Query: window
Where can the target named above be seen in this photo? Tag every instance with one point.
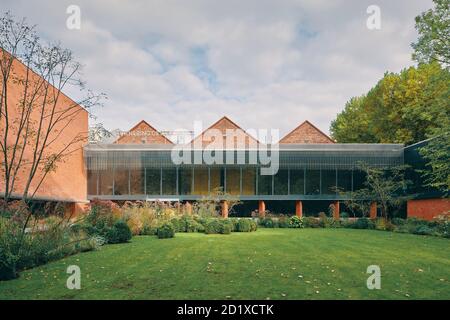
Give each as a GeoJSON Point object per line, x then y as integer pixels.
{"type": "Point", "coordinates": [185, 180]}
{"type": "Point", "coordinates": [264, 184]}
{"type": "Point", "coordinates": [169, 181]}
{"type": "Point", "coordinates": [328, 182]}
{"type": "Point", "coordinates": [297, 178]}
{"type": "Point", "coordinates": [280, 182]}
{"type": "Point", "coordinates": [249, 181]}
{"type": "Point", "coordinates": [312, 182]}
{"type": "Point", "coordinates": [153, 181]}
{"type": "Point", "coordinates": [233, 181]}
{"type": "Point", "coordinates": [121, 182]}
{"type": "Point", "coordinates": [137, 181]}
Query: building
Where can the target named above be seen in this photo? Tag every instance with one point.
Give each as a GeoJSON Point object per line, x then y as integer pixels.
{"type": "Point", "coordinates": [311, 165]}
{"type": "Point", "coordinates": [66, 184]}
{"type": "Point", "coordinates": [140, 166]}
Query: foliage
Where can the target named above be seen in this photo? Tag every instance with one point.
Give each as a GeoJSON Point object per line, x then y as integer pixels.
{"type": "Point", "coordinates": [363, 223]}
{"type": "Point", "coordinates": [401, 108]}
{"type": "Point", "coordinates": [283, 221]}
{"type": "Point", "coordinates": [433, 27]}
{"type": "Point", "coordinates": [384, 186]}
{"type": "Point", "coordinates": [46, 240]}
{"type": "Point", "coordinates": [295, 222]}
{"type": "Point", "coordinates": [245, 225]}
{"type": "Point", "coordinates": [436, 153]}
{"type": "Point", "coordinates": [218, 226]}
{"type": "Point", "coordinates": [166, 230]}
{"type": "Point", "coordinates": [119, 232]}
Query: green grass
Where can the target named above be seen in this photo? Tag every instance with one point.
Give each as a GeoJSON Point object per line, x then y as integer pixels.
{"type": "Point", "coordinates": [267, 264]}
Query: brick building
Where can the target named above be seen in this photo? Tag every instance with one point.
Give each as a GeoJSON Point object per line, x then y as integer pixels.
{"type": "Point", "coordinates": [310, 168]}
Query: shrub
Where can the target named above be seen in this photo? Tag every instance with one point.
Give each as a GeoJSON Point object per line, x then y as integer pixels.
{"type": "Point", "coordinates": [244, 225]}
{"type": "Point", "coordinates": [423, 230]}
{"type": "Point", "coordinates": [324, 221]}
{"type": "Point", "coordinates": [165, 231]}
{"type": "Point", "coordinates": [186, 224]}
{"type": "Point", "coordinates": [44, 241]}
{"type": "Point", "coordinates": [118, 233]}
{"type": "Point", "coordinates": [398, 221]}
{"type": "Point", "coordinates": [295, 222]}
{"type": "Point", "coordinates": [268, 222]}
{"type": "Point", "coordinates": [363, 223]}
{"type": "Point", "coordinates": [253, 225]}
{"type": "Point", "coordinates": [218, 226]}
{"type": "Point", "coordinates": [311, 222]}
{"type": "Point", "coordinates": [283, 222]}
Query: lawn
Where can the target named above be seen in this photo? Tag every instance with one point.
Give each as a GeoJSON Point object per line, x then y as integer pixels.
{"type": "Point", "coordinates": [267, 264]}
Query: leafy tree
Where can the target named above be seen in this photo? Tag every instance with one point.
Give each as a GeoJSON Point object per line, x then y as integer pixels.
{"type": "Point", "coordinates": [402, 108]}
{"type": "Point", "coordinates": [385, 186]}
{"type": "Point", "coordinates": [433, 27]}
{"type": "Point", "coordinates": [437, 153]}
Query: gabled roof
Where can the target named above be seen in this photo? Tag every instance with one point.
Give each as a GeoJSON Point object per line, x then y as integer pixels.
{"type": "Point", "coordinates": [306, 132]}
{"type": "Point", "coordinates": [143, 133]}
{"type": "Point", "coordinates": [222, 125]}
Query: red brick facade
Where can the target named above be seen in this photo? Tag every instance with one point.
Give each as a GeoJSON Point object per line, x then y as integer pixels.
{"type": "Point", "coordinates": [306, 133]}
{"type": "Point", "coordinates": [428, 208]}
{"type": "Point", "coordinates": [240, 138]}
{"type": "Point", "coordinates": [143, 133]}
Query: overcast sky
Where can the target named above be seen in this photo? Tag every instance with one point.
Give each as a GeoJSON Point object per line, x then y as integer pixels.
{"type": "Point", "coordinates": [265, 64]}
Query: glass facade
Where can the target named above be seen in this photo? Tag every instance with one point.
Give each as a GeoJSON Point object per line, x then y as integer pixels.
{"type": "Point", "coordinates": [315, 172]}
{"type": "Point", "coordinates": [244, 181]}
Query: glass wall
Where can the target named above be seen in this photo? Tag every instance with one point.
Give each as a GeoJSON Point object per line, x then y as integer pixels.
{"type": "Point", "coordinates": [297, 180]}
{"type": "Point", "coordinates": [264, 184]}
{"type": "Point", "coordinates": [137, 181]}
{"type": "Point", "coordinates": [249, 181]}
{"type": "Point", "coordinates": [105, 182]}
{"type": "Point", "coordinates": [358, 179]}
{"type": "Point", "coordinates": [201, 186]}
{"type": "Point", "coordinates": [345, 180]}
{"type": "Point", "coordinates": [328, 182]}
{"type": "Point", "coordinates": [233, 181]}
{"type": "Point", "coordinates": [312, 182]}
{"type": "Point", "coordinates": [121, 182]}
{"type": "Point", "coordinates": [153, 181]}
{"type": "Point", "coordinates": [280, 182]}
{"type": "Point", "coordinates": [246, 181]}
{"type": "Point", "coordinates": [217, 179]}
{"type": "Point", "coordinates": [185, 181]}
{"type": "Point", "coordinates": [92, 177]}
{"type": "Point", "coordinates": [169, 181]}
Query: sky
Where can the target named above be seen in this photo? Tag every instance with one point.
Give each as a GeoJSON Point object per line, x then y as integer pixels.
{"type": "Point", "coordinates": [264, 64]}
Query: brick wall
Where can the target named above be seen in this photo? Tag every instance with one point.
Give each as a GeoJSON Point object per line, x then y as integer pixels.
{"type": "Point", "coordinates": [143, 133]}
{"type": "Point", "coordinates": [427, 208]}
{"type": "Point", "coordinates": [306, 133]}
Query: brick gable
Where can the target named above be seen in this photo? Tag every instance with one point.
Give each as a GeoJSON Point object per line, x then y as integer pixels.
{"type": "Point", "coordinates": [143, 133]}
{"type": "Point", "coordinates": [240, 138]}
{"type": "Point", "coordinates": [306, 133]}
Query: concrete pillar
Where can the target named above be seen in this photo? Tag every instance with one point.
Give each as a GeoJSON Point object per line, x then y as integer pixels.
{"type": "Point", "coordinates": [225, 209]}
{"type": "Point", "coordinates": [188, 206]}
{"type": "Point", "coordinates": [298, 208]}
{"type": "Point", "coordinates": [373, 210]}
{"type": "Point", "coordinates": [336, 214]}
{"type": "Point", "coordinates": [262, 208]}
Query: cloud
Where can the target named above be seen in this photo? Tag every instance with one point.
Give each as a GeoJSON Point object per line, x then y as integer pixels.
{"type": "Point", "coordinates": [263, 63]}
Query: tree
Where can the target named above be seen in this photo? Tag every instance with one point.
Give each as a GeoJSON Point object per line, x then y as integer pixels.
{"type": "Point", "coordinates": [385, 186]}
{"type": "Point", "coordinates": [402, 108]}
{"type": "Point", "coordinates": [34, 112]}
{"type": "Point", "coordinates": [433, 27]}
{"type": "Point", "coordinates": [437, 152]}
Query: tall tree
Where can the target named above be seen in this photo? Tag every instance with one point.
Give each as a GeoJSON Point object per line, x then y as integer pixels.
{"type": "Point", "coordinates": [402, 108]}
{"type": "Point", "coordinates": [433, 27]}
{"type": "Point", "coordinates": [34, 112]}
